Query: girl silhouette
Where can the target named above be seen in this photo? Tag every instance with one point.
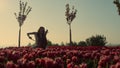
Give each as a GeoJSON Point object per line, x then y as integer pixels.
{"type": "Point", "coordinates": [40, 37]}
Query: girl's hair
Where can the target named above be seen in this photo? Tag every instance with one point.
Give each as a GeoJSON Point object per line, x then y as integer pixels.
{"type": "Point", "coordinates": [41, 30]}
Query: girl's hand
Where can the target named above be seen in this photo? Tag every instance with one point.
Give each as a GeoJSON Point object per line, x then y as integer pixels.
{"type": "Point", "coordinates": [31, 38]}
{"type": "Point", "coordinates": [32, 33]}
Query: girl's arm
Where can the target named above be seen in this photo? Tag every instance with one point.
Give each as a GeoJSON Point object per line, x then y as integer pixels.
{"type": "Point", "coordinates": [46, 32]}
{"type": "Point", "coordinates": [32, 33]}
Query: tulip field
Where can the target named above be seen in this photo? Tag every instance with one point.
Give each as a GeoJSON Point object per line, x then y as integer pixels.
{"type": "Point", "coordinates": [60, 57]}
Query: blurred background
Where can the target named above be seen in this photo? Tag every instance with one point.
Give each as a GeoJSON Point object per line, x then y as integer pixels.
{"type": "Point", "coordinates": [93, 17]}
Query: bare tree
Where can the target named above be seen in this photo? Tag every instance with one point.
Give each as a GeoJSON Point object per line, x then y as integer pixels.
{"type": "Point", "coordinates": [21, 17]}
{"type": "Point", "coordinates": [116, 2]}
{"type": "Point", "coordinates": [69, 17]}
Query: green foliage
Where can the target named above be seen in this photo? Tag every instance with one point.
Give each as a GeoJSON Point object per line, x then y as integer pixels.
{"type": "Point", "coordinates": [55, 44]}
{"type": "Point", "coordinates": [31, 45]}
{"type": "Point", "coordinates": [62, 44]}
{"type": "Point", "coordinates": [49, 43]}
{"type": "Point", "coordinates": [71, 44]}
{"type": "Point", "coordinates": [98, 40]}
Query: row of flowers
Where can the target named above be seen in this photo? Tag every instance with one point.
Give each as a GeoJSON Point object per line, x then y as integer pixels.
{"type": "Point", "coordinates": [60, 57]}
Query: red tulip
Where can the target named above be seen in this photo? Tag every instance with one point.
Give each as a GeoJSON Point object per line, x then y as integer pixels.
{"type": "Point", "coordinates": [68, 61]}
{"type": "Point", "coordinates": [74, 59]}
{"type": "Point", "coordinates": [22, 62]}
{"type": "Point", "coordinates": [103, 60]}
{"type": "Point", "coordinates": [70, 65]}
{"type": "Point", "coordinates": [99, 66]}
{"type": "Point", "coordinates": [10, 64]}
{"type": "Point", "coordinates": [31, 64]}
{"type": "Point", "coordinates": [116, 59]}
{"type": "Point", "coordinates": [2, 59]}
{"type": "Point", "coordinates": [49, 63]}
{"type": "Point", "coordinates": [105, 52]}
{"type": "Point", "coordinates": [59, 57]}
{"type": "Point", "coordinates": [112, 66]}
{"type": "Point", "coordinates": [2, 65]}
{"type": "Point", "coordinates": [76, 66]}
{"type": "Point", "coordinates": [117, 65]}
{"type": "Point", "coordinates": [59, 62]}
{"type": "Point", "coordinates": [50, 54]}
{"type": "Point", "coordinates": [87, 55]}
{"type": "Point", "coordinates": [15, 55]}
{"type": "Point", "coordinates": [64, 57]}
{"type": "Point", "coordinates": [38, 61]}
{"type": "Point", "coordinates": [43, 62]}
{"type": "Point", "coordinates": [2, 54]}
{"type": "Point", "coordinates": [83, 65]}
{"type": "Point", "coordinates": [55, 64]}
{"type": "Point", "coordinates": [26, 56]}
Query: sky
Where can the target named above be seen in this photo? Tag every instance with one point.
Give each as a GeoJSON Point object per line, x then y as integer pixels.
{"type": "Point", "coordinates": [93, 17]}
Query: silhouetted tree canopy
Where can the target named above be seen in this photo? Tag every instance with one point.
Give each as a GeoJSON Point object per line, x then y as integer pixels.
{"type": "Point", "coordinates": [116, 2]}
{"type": "Point", "coordinates": [74, 43]}
{"type": "Point", "coordinates": [98, 40]}
{"type": "Point", "coordinates": [82, 43]}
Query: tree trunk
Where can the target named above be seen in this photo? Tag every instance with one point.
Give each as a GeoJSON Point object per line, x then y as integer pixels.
{"type": "Point", "coordinates": [70, 34]}
{"type": "Point", "coordinates": [19, 39]}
